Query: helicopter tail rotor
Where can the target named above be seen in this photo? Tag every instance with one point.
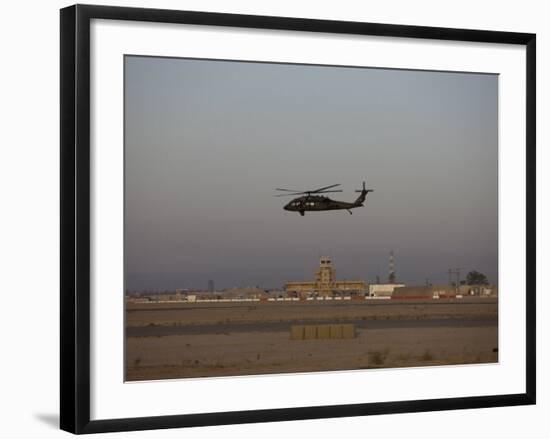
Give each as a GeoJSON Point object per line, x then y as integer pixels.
{"type": "Point", "coordinates": [364, 191]}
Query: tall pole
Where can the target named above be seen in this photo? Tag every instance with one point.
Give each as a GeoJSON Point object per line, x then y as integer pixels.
{"type": "Point", "coordinates": [391, 270]}
{"type": "Point", "coordinates": [456, 271]}
{"type": "Point", "coordinates": [458, 279]}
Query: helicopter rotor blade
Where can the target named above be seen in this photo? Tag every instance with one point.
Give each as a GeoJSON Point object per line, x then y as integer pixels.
{"type": "Point", "coordinates": [326, 187]}
{"type": "Point", "coordinates": [289, 190]}
{"type": "Point", "coordinates": [307, 193]}
{"type": "Point", "coordinates": [322, 190]}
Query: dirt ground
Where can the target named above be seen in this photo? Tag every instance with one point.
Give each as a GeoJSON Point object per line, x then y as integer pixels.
{"type": "Point", "coordinates": [184, 356]}
{"type": "Point", "coordinates": [260, 352]}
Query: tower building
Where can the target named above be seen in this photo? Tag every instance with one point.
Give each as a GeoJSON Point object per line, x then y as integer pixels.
{"type": "Point", "coordinates": [325, 277]}
{"type": "Point", "coordinates": [325, 283]}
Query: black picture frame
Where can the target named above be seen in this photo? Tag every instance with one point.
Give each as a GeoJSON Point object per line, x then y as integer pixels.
{"type": "Point", "coordinates": [75, 217]}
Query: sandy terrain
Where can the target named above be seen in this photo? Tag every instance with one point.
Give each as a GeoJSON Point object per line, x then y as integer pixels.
{"type": "Point", "coordinates": [247, 353]}
{"type": "Point", "coordinates": [194, 340]}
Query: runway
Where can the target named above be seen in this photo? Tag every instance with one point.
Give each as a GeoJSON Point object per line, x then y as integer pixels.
{"type": "Point", "coordinates": [361, 324]}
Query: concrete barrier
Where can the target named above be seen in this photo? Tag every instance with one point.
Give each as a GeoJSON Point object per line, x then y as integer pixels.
{"type": "Point", "coordinates": [348, 331]}
{"type": "Point", "coordinates": [336, 331]}
{"type": "Point", "coordinates": [297, 332]}
{"type": "Point", "coordinates": [322, 332]}
{"type": "Point", "coordinates": [310, 332]}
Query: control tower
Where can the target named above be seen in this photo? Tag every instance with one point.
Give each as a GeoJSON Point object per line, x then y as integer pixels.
{"type": "Point", "coordinates": [325, 283]}
{"type": "Point", "coordinates": [325, 277]}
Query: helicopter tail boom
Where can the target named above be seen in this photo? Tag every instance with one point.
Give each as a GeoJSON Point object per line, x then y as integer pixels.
{"type": "Point", "coordinates": [361, 198]}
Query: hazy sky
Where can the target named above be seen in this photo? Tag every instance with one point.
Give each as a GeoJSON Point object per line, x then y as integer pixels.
{"type": "Point", "coordinates": [206, 143]}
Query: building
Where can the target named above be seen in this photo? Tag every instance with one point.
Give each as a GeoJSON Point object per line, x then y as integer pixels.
{"type": "Point", "coordinates": [444, 291]}
{"type": "Point", "coordinates": [383, 290]}
{"type": "Point", "coordinates": [325, 284]}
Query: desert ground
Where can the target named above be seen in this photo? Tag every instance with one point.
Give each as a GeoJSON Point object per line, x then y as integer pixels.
{"type": "Point", "coordinates": [184, 340]}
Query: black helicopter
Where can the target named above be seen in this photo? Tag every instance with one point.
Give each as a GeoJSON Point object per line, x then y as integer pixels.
{"type": "Point", "coordinates": [313, 201]}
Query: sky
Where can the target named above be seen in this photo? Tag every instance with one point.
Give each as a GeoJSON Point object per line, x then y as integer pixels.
{"type": "Point", "coordinates": [208, 141]}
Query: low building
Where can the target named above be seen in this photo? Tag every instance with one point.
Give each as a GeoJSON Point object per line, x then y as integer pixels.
{"type": "Point", "coordinates": [325, 284]}
{"type": "Point", "coordinates": [478, 290]}
{"type": "Point", "coordinates": [443, 291]}
{"type": "Point", "coordinates": [245, 293]}
{"type": "Point", "coordinates": [383, 290]}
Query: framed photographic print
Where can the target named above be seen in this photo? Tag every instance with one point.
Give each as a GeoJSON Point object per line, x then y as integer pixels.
{"type": "Point", "coordinates": [274, 218]}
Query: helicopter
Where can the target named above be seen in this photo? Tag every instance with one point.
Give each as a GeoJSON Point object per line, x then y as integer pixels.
{"type": "Point", "coordinates": [315, 201]}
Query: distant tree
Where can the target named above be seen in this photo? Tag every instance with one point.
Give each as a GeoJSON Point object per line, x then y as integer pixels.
{"type": "Point", "coordinates": [476, 278]}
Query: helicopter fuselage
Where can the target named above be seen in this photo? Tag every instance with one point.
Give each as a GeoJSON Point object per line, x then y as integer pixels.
{"type": "Point", "coordinates": [315, 203]}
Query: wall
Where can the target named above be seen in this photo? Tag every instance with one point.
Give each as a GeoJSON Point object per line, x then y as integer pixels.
{"type": "Point", "coordinates": [410, 292]}
{"type": "Point", "coordinates": [29, 184]}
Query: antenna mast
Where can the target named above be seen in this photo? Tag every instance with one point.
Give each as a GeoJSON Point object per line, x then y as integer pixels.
{"type": "Point", "coordinates": [391, 270]}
